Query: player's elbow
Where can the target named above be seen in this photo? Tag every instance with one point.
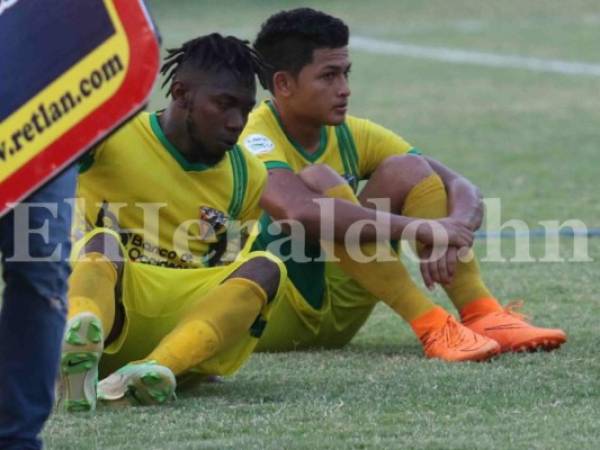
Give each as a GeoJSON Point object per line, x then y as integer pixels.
{"type": "Point", "coordinates": [475, 191]}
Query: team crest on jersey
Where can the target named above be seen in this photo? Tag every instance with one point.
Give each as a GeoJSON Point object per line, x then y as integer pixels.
{"type": "Point", "coordinates": [259, 144]}
{"type": "Point", "coordinates": [212, 223]}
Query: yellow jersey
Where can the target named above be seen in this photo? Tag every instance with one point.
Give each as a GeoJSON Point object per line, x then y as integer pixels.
{"type": "Point", "coordinates": [170, 212]}
{"type": "Point", "coordinates": [354, 149]}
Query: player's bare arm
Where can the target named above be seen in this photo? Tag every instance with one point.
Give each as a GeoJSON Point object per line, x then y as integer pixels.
{"type": "Point", "coordinates": [465, 205]}
{"type": "Point", "coordinates": [464, 198]}
{"type": "Point", "coordinates": [287, 197]}
{"type": "Point", "coordinates": [305, 129]}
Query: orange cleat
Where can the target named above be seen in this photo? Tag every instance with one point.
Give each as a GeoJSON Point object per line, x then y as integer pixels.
{"type": "Point", "coordinates": [512, 331]}
{"type": "Point", "coordinates": [455, 342]}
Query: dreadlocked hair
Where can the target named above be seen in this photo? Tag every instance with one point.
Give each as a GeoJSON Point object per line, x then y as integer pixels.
{"type": "Point", "coordinates": [215, 52]}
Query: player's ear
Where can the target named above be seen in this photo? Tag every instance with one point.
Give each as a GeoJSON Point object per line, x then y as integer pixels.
{"type": "Point", "coordinates": [180, 94]}
{"type": "Point", "coordinates": [283, 83]}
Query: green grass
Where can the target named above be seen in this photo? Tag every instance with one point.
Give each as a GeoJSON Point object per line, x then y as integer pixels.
{"type": "Point", "coordinates": [379, 392]}
{"type": "Point", "coordinates": [523, 136]}
{"type": "Point", "coordinates": [528, 138]}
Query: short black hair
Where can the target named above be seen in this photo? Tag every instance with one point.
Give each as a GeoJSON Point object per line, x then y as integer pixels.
{"type": "Point", "coordinates": [214, 52]}
{"type": "Point", "coordinates": [287, 39]}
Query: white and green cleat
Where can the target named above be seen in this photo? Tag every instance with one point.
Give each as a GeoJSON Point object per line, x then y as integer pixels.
{"type": "Point", "coordinates": [81, 352]}
{"type": "Point", "coordinates": [140, 383]}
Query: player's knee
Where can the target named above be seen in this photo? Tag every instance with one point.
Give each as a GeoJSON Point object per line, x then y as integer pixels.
{"type": "Point", "coordinates": [270, 275]}
{"type": "Point", "coordinates": [108, 245]}
{"type": "Point", "coordinates": [408, 169]}
{"type": "Point", "coordinates": [320, 178]}
{"type": "Point", "coordinates": [264, 271]}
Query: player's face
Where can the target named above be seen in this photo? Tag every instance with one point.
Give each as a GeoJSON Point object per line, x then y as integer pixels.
{"type": "Point", "coordinates": [218, 113]}
{"type": "Point", "coordinates": [321, 90]}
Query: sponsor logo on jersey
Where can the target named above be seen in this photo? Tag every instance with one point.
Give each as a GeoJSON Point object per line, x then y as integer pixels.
{"type": "Point", "coordinates": [258, 144]}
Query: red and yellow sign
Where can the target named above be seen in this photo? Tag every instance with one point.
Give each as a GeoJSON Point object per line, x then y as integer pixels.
{"type": "Point", "coordinates": [70, 73]}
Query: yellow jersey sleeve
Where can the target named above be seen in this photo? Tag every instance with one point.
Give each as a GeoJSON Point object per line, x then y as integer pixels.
{"type": "Point", "coordinates": [266, 149]}
{"type": "Point", "coordinates": [95, 155]}
{"type": "Point", "coordinates": [264, 138]}
{"type": "Point", "coordinates": [375, 143]}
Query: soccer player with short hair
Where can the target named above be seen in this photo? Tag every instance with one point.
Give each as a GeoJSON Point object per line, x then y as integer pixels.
{"type": "Point", "coordinates": [148, 299]}
{"type": "Point", "coordinates": [313, 150]}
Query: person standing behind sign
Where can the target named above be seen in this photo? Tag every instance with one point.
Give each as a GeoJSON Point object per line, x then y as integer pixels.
{"type": "Point", "coordinates": [35, 245]}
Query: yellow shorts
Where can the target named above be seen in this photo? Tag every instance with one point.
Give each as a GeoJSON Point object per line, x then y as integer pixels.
{"type": "Point", "coordinates": [156, 298]}
{"type": "Point", "coordinates": [296, 325]}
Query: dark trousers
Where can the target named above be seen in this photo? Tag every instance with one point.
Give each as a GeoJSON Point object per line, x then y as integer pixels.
{"type": "Point", "coordinates": [33, 313]}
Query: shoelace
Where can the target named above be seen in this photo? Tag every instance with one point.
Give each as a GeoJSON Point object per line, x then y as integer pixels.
{"type": "Point", "coordinates": [452, 333]}
{"type": "Point", "coordinates": [512, 309]}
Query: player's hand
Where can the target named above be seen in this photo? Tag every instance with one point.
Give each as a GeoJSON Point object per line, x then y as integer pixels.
{"type": "Point", "coordinates": [440, 270]}
{"type": "Point", "coordinates": [448, 232]}
{"type": "Point", "coordinates": [473, 218]}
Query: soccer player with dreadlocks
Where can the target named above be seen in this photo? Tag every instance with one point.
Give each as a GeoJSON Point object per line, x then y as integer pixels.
{"type": "Point", "coordinates": [157, 199]}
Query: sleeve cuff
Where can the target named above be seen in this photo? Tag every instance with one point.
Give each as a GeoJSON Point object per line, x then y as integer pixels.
{"type": "Point", "coordinates": [277, 165]}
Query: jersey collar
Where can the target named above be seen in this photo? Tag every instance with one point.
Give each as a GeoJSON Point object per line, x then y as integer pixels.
{"type": "Point", "coordinates": [175, 153]}
{"type": "Point", "coordinates": [311, 157]}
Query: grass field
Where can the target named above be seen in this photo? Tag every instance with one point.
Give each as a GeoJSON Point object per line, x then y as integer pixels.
{"type": "Point", "coordinates": [529, 138]}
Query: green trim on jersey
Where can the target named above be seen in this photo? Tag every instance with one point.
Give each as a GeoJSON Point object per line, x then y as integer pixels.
{"type": "Point", "coordinates": [310, 157]}
{"type": "Point", "coordinates": [175, 153]}
{"type": "Point", "coordinates": [348, 154]}
{"type": "Point", "coordinates": [277, 165]}
{"type": "Point", "coordinates": [240, 181]}
{"type": "Point", "coordinates": [353, 154]}
{"type": "Point", "coordinates": [308, 277]}
{"type": "Point", "coordinates": [414, 151]}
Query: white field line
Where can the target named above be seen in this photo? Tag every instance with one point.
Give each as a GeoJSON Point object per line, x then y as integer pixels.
{"type": "Point", "coordinates": [457, 56]}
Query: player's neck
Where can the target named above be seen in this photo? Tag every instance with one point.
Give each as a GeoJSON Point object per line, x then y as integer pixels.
{"type": "Point", "coordinates": [177, 135]}
{"type": "Point", "coordinates": [302, 131]}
